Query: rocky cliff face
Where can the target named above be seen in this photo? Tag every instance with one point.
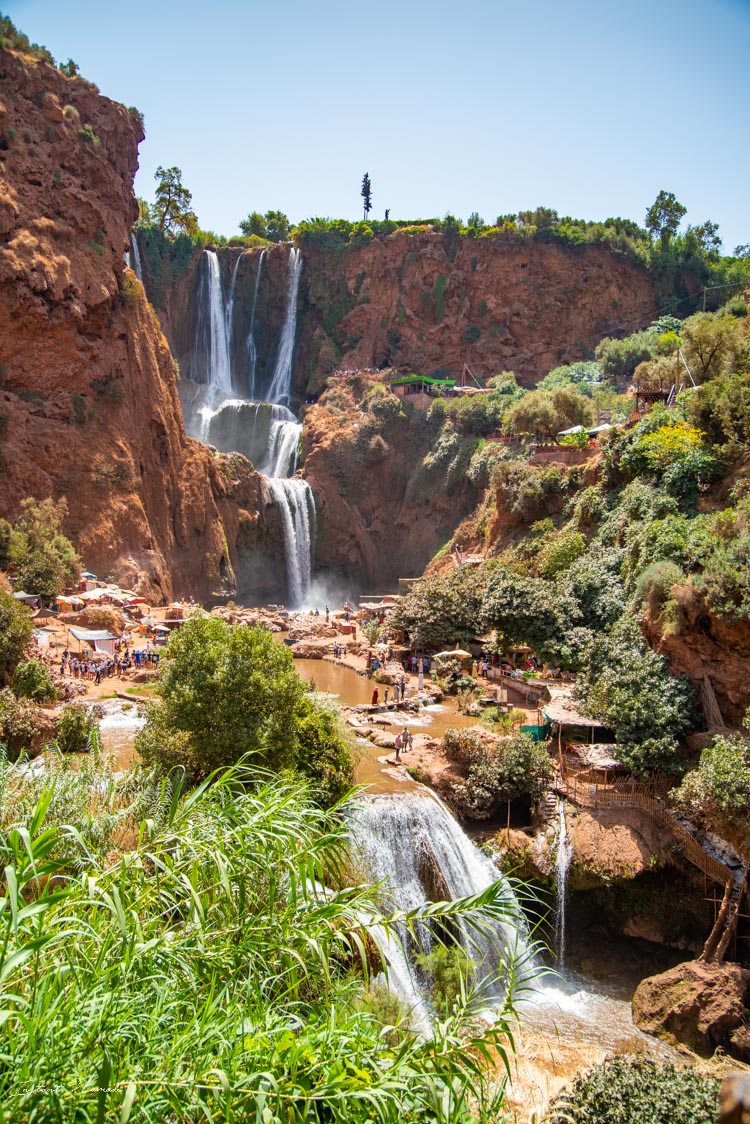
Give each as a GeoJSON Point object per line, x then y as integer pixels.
{"type": "Point", "coordinates": [414, 301]}
{"type": "Point", "coordinates": [386, 500]}
{"type": "Point", "coordinates": [87, 383]}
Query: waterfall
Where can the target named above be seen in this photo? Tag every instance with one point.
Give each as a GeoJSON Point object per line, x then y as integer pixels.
{"type": "Point", "coordinates": [283, 443]}
{"type": "Point", "coordinates": [251, 349]}
{"type": "Point", "coordinates": [297, 507]}
{"type": "Point", "coordinates": [412, 845]}
{"type": "Point", "coordinates": [281, 384]}
{"type": "Point", "coordinates": [135, 257]}
{"type": "Point", "coordinates": [219, 364]}
{"type": "Point", "coordinates": [229, 316]}
{"type": "Point", "coordinates": [564, 855]}
{"type": "Point", "coordinates": [215, 415]}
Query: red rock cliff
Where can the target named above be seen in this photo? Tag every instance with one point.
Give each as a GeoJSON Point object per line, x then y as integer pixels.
{"type": "Point", "coordinates": [87, 383]}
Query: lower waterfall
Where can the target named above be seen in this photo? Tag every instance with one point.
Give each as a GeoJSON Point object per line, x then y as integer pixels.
{"type": "Point", "coordinates": [297, 508]}
{"type": "Point", "coordinates": [562, 865]}
{"type": "Point", "coordinates": [411, 844]}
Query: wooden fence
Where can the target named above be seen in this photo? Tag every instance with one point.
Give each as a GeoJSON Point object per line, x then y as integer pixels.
{"type": "Point", "coordinates": [625, 795]}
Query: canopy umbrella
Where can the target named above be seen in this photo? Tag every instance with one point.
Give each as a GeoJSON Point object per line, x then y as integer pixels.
{"type": "Point", "coordinates": [91, 577]}
{"type": "Point", "coordinates": [459, 653]}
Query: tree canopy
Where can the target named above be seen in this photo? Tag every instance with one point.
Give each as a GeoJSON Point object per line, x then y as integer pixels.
{"type": "Point", "coordinates": [226, 692]}
{"type": "Point", "coordinates": [172, 212]}
{"type": "Point", "coordinates": [43, 561]}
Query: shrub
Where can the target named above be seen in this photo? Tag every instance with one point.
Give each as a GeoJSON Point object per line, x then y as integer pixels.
{"type": "Point", "coordinates": [20, 724]}
{"type": "Point", "coordinates": [15, 634]}
{"type": "Point", "coordinates": [87, 134]}
{"type": "Point", "coordinates": [42, 559]}
{"type": "Point", "coordinates": [75, 728]}
{"type": "Point", "coordinates": [618, 359]}
{"type": "Point", "coordinates": [517, 766]}
{"type": "Point", "coordinates": [323, 755]}
{"type": "Point", "coordinates": [630, 1090]}
{"type": "Point", "coordinates": [32, 680]}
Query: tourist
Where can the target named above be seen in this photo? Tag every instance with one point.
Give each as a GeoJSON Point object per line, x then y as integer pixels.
{"type": "Point", "coordinates": [375, 697]}
{"type": "Point", "coordinates": [399, 743]}
{"type": "Point", "coordinates": [395, 693]}
{"type": "Point", "coordinates": [385, 696]}
{"type": "Point", "coordinates": [405, 739]}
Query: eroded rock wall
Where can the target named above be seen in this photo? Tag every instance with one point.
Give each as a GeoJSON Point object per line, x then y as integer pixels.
{"type": "Point", "coordinates": [87, 383]}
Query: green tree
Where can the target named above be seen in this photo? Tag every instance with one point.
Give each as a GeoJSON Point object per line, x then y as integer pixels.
{"type": "Point", "coordinates": [223, 692]}
{"type": "Point", "coordinates": [664, 217]}
{"type": "Point", "coordinates": [366, 194]}
{"type": "Point", "coordinates": [254, 224]}
{"type": "Point", "coordinates": [172, 211]}
{"type": "Point", "coordinates": [32, 680]}
{"type": "Point", "coordinates": [277, 226]}
{"type": "Point", "coordinates": [618, 359]}
{"type": "Point", "coordinates": [439, 612]}
{"type": "Point", "coordinates": [70, 69]}
{"type": "Point", "coordinates": [627, 687]}
{"type": "Point", "coordinates": [6, 532]}
{"type": "Point", "coordinates": [516, 766]}
{"type": "Point", "coordinates": [712, 344]}
{"type": "Point", "coordinates": [704, 239]}
{"type": "Point", "coordinates": [638, 1089]}
{"type": "Point", "coordinates": [15, 634]}
{"type": "Point", "coordinates": [719, 789]}
{"type": "Point", "coordinates": [539, 613]}
{"type": "Point", "coordinates": [42, 559]}
{"type": "Point", "coordinates": [475, 221]}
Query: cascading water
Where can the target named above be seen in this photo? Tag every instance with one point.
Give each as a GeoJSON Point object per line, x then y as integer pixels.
{"type": "Point", "coordinates": [252, 353]}
{"type": "Point", "coordinates": [281, 383]}
{"type": "Point", "coordinates": [563, 857]}
{"type": "Point", "coordinates": [297, 507]}
{"type": "Point", "coordinates": [283, 443]}
{"type": "Point", "coordinates": [229, 316]}
{"type": "Point", "coordinates": [220, 367]}
{"type": "Point", "coordinates": [410, 843]}
{"type": "Point", "coordinates": [219, 417]}
{"type": "Point", "coordinates": [135, 257]}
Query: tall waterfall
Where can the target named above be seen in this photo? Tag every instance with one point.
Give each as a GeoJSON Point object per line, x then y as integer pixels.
{"type": "Point", "coordinates": [266, 431]}
{"type": "Point", "coordinates": [220, 365]}
{"type": "Point", "coordinates": [229, 316]}
{"type": "Point", "coordinates": [135, 257]}
{"type": "Point", "coordinates": [281, 383]}
{"type": "Point", "coordinates": [297, 508]}
{"type": "Point", "coordinates": [252, 353]}
{"type": "Point", "coordinates": [564, 855]}
{"type": "Point", "coordinates": [411, 844]}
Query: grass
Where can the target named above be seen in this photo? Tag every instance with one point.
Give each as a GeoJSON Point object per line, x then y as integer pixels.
{"type": "Point", "coordinates": [216, 970]}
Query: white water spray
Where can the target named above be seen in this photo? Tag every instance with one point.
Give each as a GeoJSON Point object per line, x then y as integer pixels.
{"type": "Point", "coordinates": [219, 369]}
{"type": "Point", "coordinates": [281, 385]}
{"type": "Point", "coordinates": [296, 505]}
{"type": "Point", "coordinates": [135, 257]}
{"type": "Point", "coordinates": [252, 353]}
{"type": "Point", "coordinates": [563, 858]}
{"type": "Point", "coordinates": [403, 840]}
{"type": "Point", "coordinates": [283, 444]}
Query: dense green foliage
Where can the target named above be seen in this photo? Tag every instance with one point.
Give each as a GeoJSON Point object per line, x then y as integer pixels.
{"type": "Point", "coordinates": [76, 728]}
{"type": "Point", "coordinates": [228, 692]}
{"type": "Point", "coordinates": [218, 971]}
{"type": "Point", "coordinates": [32, 680]}
{"type": "Point", "coordinates": [719, 789]}
{"type": "Point", "coordinates": [438, 612]}
{"type": "Point", "coordinates": [638, 1091]}
{"type": "Point", "coordinates": [15, 634]}
{"type": "Point", "coordinates": [516, 766]}
{"type": "Point", "coordinates": [41, 559]}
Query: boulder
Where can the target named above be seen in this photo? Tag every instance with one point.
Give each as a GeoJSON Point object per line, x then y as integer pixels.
{"type": "Point", "coordinates": [701, 1005]}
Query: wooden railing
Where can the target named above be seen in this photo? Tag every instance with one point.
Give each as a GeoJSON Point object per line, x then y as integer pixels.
{"type": "Point", "coordinates": [622, 796]}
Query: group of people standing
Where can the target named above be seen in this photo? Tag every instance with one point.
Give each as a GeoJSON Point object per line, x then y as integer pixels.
{"type": "Point", "coordinates": [404, 742]}
{"type": "Point", "coordinates": [118, 664]}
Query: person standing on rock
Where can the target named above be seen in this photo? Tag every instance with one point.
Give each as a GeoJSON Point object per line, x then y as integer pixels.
{"type": "Point", "coordinates": [398, 744]}
{"type": "Point", "coordinates": [385, 696]}
{"type": "Point", "coordinates": [375, 697]}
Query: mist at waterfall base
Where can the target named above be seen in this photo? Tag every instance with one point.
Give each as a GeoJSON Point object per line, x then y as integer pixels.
{"type": "Point", "coordinates": [227, 407]}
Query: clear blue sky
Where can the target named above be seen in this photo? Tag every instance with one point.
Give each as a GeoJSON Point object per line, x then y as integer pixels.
{"type": "Point", "coordinates": [588, 107]}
